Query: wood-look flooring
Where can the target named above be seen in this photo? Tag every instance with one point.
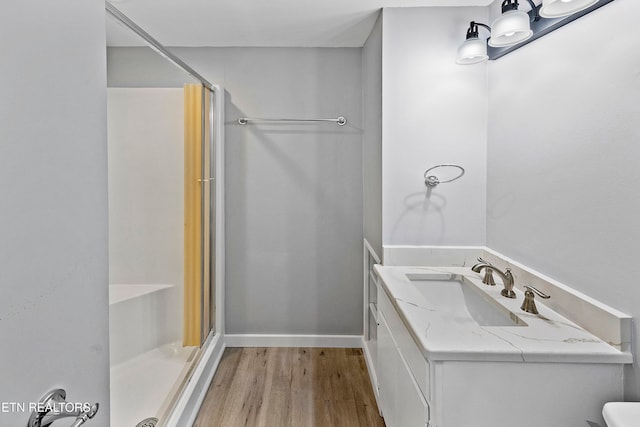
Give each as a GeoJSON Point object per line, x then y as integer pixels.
{"type": "Point", "coordinates": [290, 387]}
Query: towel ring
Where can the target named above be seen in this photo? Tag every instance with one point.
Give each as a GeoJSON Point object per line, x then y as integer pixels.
{"type": "Point", "coordinates": [432, 180]}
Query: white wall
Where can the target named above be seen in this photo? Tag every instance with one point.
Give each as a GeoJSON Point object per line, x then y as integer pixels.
{"type": "Point", "coordinates": [564, 144]}
{"type": "Point", "coordinates": [434, 112]}
{"type": "Point", "coordinates": [146, 193]}
{"type": "Point", "coordinates": [293, 192]}
{"type": "Point", "coordinates": [372, 138]}
{"type": "Point", "coordinates": [53, 215]}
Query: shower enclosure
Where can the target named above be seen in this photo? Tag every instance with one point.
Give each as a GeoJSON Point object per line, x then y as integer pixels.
{"type": "Point", "coordinates": [164, 145]}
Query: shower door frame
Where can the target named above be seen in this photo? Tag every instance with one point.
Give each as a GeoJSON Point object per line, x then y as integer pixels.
{"type": "Point", "coordinates": [184, 409]}
{"type": "Point", "coordinates": [214, 121]}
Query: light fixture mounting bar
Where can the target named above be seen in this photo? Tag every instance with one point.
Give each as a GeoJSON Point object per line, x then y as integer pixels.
{"type": "Point", "coordinates": [542, 27]}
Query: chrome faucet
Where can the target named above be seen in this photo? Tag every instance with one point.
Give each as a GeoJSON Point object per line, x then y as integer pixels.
{"type": "Point", "coordinates": [507, 277]}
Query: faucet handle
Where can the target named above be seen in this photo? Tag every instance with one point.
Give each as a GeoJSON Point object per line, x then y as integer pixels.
{"type": "Point", "coordinates": [538, 292]}
{"type": "Point", "coordinates": [529, 305]}
{"type": "Point", "coordinates": [488, 277]}
{"type": "Point", "coordinates": [477, 268]}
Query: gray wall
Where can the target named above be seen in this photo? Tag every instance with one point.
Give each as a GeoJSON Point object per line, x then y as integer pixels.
{"type": "Point", "coordinates": [564, 144]}
{"type": "Point", "coordinates": [138, 67]}
{"type": "Point", "coordinates": [53, 214]}
{"type": "Point", "coordinates": [372, 139]}
{"type": "Point", "coordinates": [293, 192]}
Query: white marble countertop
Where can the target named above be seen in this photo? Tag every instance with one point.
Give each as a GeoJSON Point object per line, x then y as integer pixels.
{"type": "Point", "coordinates": [443, 335]}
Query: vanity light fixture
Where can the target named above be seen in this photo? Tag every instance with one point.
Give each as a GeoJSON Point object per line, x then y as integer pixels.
{"type": "Point", "coordinates": [513, 26]}
{"type": "Point", "coordinates": [559, 8]}
{"type": "Point", "coordinates": [473, 50]}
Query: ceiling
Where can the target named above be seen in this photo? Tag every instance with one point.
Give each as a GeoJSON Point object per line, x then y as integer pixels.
{"type": "Point", "coordinates": [261, 23]}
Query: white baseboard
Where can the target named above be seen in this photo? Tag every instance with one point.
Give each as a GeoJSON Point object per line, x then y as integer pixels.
{"type": "Point", "coordinates": [326, 341]}
{"type": "Point", "coordinates": [188, 405]}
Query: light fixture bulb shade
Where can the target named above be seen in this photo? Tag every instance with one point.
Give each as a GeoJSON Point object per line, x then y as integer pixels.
{"type": "Point", "coordinates": [472, 51]}
{"type": "Point", "coordinates": [560, 8]}
{"type": "Point", "coordinates": [510, 28]}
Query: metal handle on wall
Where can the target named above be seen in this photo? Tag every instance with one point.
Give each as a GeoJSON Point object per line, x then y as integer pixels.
{"type": "Point", "coordinates": [53, 406]}
{"type": "Point", "coordinates": [432, 180]}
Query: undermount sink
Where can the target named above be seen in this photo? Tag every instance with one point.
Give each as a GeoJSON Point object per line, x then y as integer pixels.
{"type": "Point", "coordinates": [461, 301]}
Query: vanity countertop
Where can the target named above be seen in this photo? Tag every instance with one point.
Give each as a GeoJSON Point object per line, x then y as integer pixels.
{"type": "Point", "coordinates": [547, 336]}
{"type": "Point", "coordinates": [621, 414]}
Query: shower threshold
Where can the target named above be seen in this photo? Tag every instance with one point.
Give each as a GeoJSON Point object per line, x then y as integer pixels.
{"type": "Point", "coordinates": [145, 387]}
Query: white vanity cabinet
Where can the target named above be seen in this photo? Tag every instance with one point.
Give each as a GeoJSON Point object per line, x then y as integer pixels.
{"type": "Point", "coordinates": [563, 383]}
{"type": "Point", "coordinates": [401, 400]}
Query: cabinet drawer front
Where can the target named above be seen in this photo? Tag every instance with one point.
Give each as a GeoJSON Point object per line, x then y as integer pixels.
{"type": "Point", "coordinates": [417, 363]}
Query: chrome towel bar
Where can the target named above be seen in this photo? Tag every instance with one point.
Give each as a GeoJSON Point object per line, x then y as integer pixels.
{"type": "Point", "coordinates": [341, 121]}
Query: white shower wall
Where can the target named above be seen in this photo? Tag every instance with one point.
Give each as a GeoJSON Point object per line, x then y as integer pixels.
{"type": "Point", "coordinates": [146, 196]}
